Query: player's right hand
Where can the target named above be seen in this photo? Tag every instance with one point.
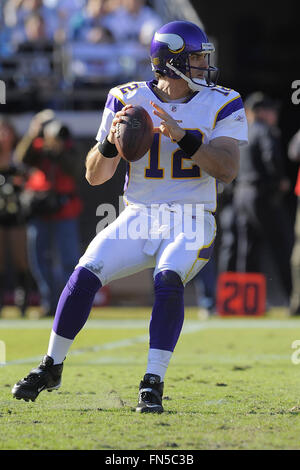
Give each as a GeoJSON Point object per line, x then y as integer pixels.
{"type": "Point", "coordinates": [117, 118]}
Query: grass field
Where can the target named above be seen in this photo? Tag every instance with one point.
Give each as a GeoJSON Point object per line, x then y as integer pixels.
{"type": "Point", "coordinates": [231, 384]}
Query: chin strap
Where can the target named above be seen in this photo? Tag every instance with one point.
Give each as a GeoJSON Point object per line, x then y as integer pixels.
{"type": "Point", "coordinates": [192, 85]}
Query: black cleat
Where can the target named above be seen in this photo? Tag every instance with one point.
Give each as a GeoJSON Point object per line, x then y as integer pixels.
{"type": "Point", "coordinates": [45, 377]}
{"type": "Point", "coordinates": [150, 395]}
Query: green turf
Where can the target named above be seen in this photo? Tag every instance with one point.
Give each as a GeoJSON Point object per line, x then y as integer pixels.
{"type": "Point", "coordinates": [230, 385]}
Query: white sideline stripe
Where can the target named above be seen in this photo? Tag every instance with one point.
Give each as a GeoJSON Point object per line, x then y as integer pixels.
{"type": "Point", "coordinates": [189, 327]}
{"type": "Point", "coordinates": [101, 347]}
{"type": "Point", "coordinates": [123, 343]}
{"type": "Point", "coordinates": [91, 324]}
{"type": "Point", "coordinates": [220, 359]}
{"type": "Point", "coordinates": [94, 323]}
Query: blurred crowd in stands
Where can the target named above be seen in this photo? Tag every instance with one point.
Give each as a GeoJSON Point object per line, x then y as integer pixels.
{"type": "Point", "coordinates": [49, 46]}
{"type": "Point", "coordinates": [48, 50]}
{"type": "Point", "coordinates": [39, 211]}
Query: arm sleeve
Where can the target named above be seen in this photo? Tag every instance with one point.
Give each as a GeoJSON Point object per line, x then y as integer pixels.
{"type": "Point", "coordinates": [231, 121]}
{"type": "Point", "coordinates": [112, 106]}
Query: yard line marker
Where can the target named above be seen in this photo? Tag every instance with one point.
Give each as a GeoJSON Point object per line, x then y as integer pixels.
{"type": "Point", "coordinates": [219, 359]}
{"type": "Point", "coordinates": [99, 347]}
{"type": "Point", "coordinates": [123, 343]}
{"type": "Point", "coordinates": [189, 326]}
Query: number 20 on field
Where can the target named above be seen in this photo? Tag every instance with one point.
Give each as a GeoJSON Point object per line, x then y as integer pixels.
{"type": "Point", "coordinates": [241, 294]}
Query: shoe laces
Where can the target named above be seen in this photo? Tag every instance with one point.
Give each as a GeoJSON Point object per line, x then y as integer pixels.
{"type": "Point", "coordinates": [31, 378]}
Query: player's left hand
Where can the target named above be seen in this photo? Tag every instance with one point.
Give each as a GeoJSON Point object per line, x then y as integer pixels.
{"type": "Point", "coordinates": [168, 126]}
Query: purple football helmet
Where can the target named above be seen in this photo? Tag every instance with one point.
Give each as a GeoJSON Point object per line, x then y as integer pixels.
{"type": "Point", "coordinates": [170, 49]}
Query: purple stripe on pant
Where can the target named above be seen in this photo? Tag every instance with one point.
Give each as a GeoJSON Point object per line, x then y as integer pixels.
{"type": "Point", "coordinates": [205, 253]}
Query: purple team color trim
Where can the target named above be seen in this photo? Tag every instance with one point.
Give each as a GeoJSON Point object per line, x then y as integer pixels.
{"type": "Point", "coordinates": [113, 103]}
{"type": "Point", "coordinates": [230, 108]}
{"type": "Point", "coordinates": [191, 97]}
{"type": "Point", "coordinates": [75, 303]}
{"type": "Point", "coordinates": [168, 311]}
{"type": "Point", "coordinates": [205, 253]}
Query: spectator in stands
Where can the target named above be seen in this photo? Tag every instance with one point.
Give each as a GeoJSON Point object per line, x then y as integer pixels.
{"type": "Point", "coordinates": [53, 237]}
{"type": "Point", "coordinates": [12, 221]}
{"type": "Point", "coordinates": [64, 10]}
{"type": "Point", "coordinates": [5, 37]}
{"type": "Point", "coordinates": [90, 65]}
{"type": "Point", "coordinates": [112, 5]}
{"type": "Point", "coordinates": [133, 21]}
{"type": "Point", "coordinates": [34, 35]}
{"type": "Point", "coordinates": [35, 29]}
{"type": "Point", "coordinates": [35, 61]}
{"type": "Point", "coordinates": [294, 155]}
{"type": "Point", "coordinates": [17, 12]}
{"type": "Point", "coordinates": [89, 25]}
{"type": "Point", "coordinates": [258, 193]}
{"type": "Point", "coordinates": [11, 10]}
{"type": "Point", "coordinates": [132, 25]}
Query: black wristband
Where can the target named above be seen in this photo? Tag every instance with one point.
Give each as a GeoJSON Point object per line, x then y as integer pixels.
{"type": "Point", "coordinates": [189, 143]}
{"type": "Point", "coordinates": [107, 149]}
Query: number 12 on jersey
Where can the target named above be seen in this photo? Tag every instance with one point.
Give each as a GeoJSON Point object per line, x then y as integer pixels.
{"type": "Point", "coordinates": [154, 169]}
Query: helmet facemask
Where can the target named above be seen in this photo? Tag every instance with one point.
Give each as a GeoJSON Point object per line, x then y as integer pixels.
{"type": "Point", "coordinates": [181, 67]}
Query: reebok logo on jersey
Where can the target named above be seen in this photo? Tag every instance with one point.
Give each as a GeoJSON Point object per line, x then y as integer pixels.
{"type": "Point", "coordinates": [240, 118]}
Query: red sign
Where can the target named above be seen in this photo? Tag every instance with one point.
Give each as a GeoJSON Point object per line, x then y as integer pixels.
{"type": "Point", "coordinates": [102, 298]}
{"type": "Point", "coordinates": [241, 294]}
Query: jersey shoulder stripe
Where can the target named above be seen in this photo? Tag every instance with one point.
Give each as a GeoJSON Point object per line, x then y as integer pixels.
{"type": "Point", "coordinates": [114, 103]}
{"type": "Point", "coordinates": [229, 107]}
{"type": "Point", "coordinates": [118, 96]}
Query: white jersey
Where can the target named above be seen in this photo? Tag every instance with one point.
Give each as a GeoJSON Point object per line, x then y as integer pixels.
{"type": "Point", "coordinates": [165, 174]}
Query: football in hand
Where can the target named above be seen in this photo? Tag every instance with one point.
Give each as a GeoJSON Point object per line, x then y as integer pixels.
{"type": "Point", "coordinates": [134, 135]}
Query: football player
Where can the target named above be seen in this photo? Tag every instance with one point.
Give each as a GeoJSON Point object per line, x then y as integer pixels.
{"type": "Point", "coordinates": [198, 128]}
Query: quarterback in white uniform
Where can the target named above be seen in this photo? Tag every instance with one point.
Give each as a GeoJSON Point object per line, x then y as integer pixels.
{"type": "Point", "coordinates": [198, 129]}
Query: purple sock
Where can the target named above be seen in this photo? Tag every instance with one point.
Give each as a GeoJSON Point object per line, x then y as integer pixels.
{"type": "Point", "coordinates": [75, 303]}
{"type": "Point", "coordinates": [168, 311]}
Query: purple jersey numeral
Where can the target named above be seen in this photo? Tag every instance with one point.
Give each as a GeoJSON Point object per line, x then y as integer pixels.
{"type": "Point", "coordinates": [154, 171]}
{"type": "Point", "coordinates": [126, 89]}
{"type": "Point", "coordinates": [178, 156]}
